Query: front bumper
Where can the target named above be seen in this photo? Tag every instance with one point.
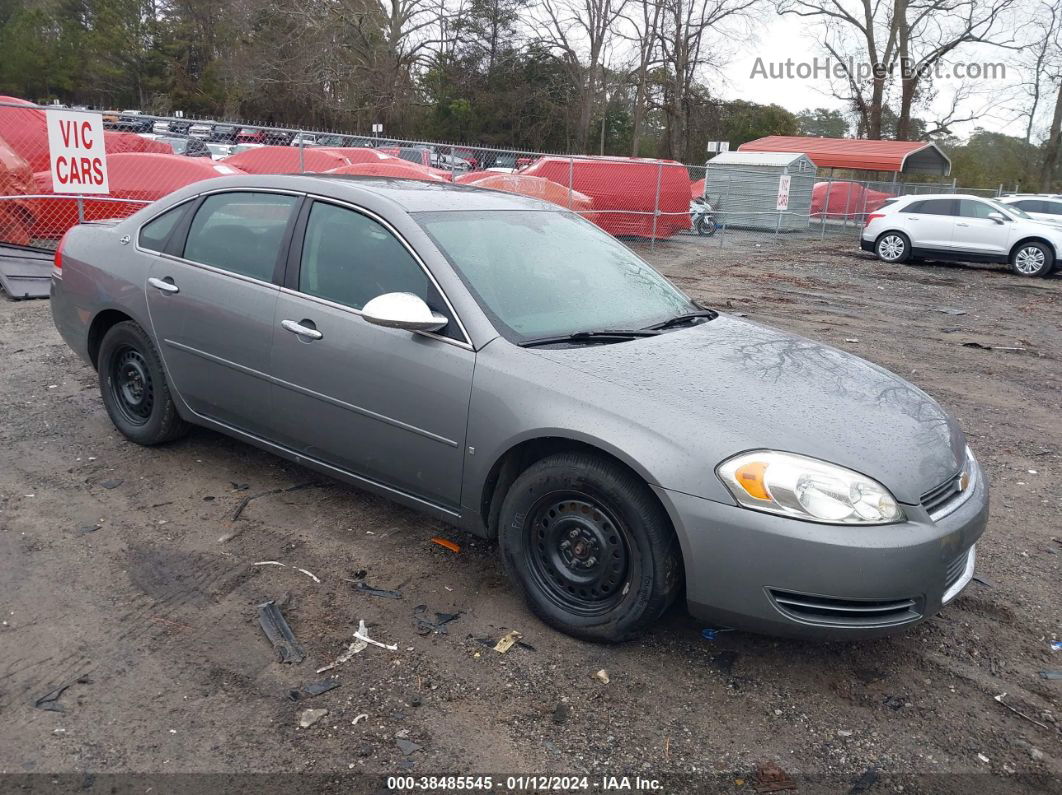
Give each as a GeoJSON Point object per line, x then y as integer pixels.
{"type": "Point", "coordinates": [782, 576]}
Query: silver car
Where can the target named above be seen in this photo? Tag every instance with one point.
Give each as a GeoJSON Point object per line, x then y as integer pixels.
{"type": "Point", "coordinates": [509, 368]}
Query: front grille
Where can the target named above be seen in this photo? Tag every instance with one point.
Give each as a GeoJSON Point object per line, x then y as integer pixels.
{"type": "Point", "coordinates": [936, 498]}
{"type": "Point", "coordinates": [855, 613]}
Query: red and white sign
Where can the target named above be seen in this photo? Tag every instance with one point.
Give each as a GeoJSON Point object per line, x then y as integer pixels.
{"type": "Point", "coordinates": [783, 192]}
{"type": "Point", "coordinates": [76, 151]}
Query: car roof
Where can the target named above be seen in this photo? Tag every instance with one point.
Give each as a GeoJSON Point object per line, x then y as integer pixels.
{"type": "Point", "coordinates": [410, 195]}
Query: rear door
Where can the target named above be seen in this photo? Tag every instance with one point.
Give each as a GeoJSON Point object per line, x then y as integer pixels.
{"type": "Point", "coordinates": [387, 404]}
{"type": "Point", "coordinates": [930, 223]}
{"type": "Point", "coordinates": [976, 233]}
{"type": "Point", "coordinates": [211, 297]}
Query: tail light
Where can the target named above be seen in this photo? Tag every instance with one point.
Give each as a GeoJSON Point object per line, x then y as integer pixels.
{"type": "Point", "coordinates": [871, 217]}
{"type": "Point", "coordinates": [57, 268]}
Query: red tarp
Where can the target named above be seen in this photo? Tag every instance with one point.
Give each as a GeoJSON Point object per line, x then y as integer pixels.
{"type": "Point", "coordinates": [536, 187]}
{"type": "Point", "coordinates": [363, 154]}
{"type": "Point", "coordinates": [16, 179]}
{"type": "Point", "coordinates": [627, 185]}
{"type": "Point", "coordinates": [132, 175]}
{"type": "Point", "coordinates": [286, 160]}
{"type": "Point", "coordinates": [26, 132]}
{"type": "Point", "coordinates": [400, 169]}
{"type": "Point", "coordinates": [697, 189]}
{"type": "Point", "coordinates": [117, 143]}
{"type": "Point", "coordinates": [848, 200]}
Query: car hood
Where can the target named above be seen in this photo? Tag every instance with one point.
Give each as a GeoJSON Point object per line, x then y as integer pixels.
{"type": "Point", "coordinates": [731, 385]}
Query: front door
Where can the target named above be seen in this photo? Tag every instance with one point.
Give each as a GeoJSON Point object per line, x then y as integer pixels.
{"type": "Point", "coordinates": [976, 233]}
{"type": "Point", "coordinates": [212, 304]}
{"type": "Point", "coordinates": [386, 404]}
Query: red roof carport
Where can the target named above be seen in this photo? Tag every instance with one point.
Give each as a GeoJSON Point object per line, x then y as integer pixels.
{"type": "Point", "coordinates": [903, 157]}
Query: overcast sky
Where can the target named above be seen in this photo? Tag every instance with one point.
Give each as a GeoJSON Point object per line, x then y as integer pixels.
{"type": "Point", "coordinates": [787, 37]}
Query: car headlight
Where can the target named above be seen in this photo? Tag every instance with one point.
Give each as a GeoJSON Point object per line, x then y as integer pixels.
{"type": "Point", "coordinates": [806, 488]}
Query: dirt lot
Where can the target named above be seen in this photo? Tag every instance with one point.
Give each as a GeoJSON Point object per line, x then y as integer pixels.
{"type": "Point", "coordinates": [123, 575]}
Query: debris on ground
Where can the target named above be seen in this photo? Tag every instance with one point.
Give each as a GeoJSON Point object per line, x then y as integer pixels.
{"type": "Point", "coordinates": [309, 574]}
{"type": "Point", "coordinates": [864, 782]}
{"type": "Point", "coordinates": [362, 634]}
{"type": "Point", "coordinates": [359, 719]}
{"type": "Point", "coordinates": [313, 689]}
{"type": "Point", "coordinates": [279, 633]}
{"type": "Point", "coordinates": [1051, 674]}
{"type": "Point", "coordinates": [50, 700]}
{"type": "Point", "coordinates": [507, 641]}
{"type": "Point", "coordinates": [602, 676]}
{"type": "Point", "coordinates": [1019, 713]}
{"type": "Point", "coordinates": [247, 500]}
{"type": "Point", "coordinates": [358, 646]}
{"type": "Point", "coordinates": [442, 542]}
{"type": "Point", "coordinates": [561, 713]}
{"type": "Point", "coordinates": [426, 626]}
{"type": "Point", "coordinates": [365, 588]}
{"type": "Point", "coordinates": [1056, 645]}
{"type": "Point", "coordinates": [947, 310]}
{"type": "Point", "coordinates": [710, 633]}
{"type": "Point", "coordinates": [308, 717]}
{"type": "Point", "coordinates": [113, 483]}
{"type": "Point", "coordinates": [769, 777]}
{"type": "Point", "coordinates": [407, 747]}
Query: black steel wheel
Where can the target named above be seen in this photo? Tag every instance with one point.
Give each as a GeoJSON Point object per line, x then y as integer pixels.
{"type": "Point", "coordinates": [589, 546]}
{"type": "Point", "coordinates": [133, 386]}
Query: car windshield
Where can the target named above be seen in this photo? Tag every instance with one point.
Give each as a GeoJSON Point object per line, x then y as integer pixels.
{"type": "Point", "coordinates": [1013, 209]}
{"type": "Point", "coordinates": [180, 145]}
{"type": "Point", "coordinates": [544, 274]}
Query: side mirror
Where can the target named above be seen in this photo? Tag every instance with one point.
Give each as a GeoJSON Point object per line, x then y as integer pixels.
{"type": "Point", "coordinates": [402, 310]}
{"type": "Point", "coordinates": [999, 218]}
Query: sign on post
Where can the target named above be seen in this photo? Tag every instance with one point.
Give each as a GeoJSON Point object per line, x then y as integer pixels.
{"type": "Point", "coordinates": [377, 129]}
{"type": "Point", "coordinates": [77, 152]}
{"type": "Point", "coordinates": [783, 193]}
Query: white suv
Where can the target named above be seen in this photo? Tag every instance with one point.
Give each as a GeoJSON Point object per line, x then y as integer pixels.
{"type": "Point", "coordinates": [959, 228]}
{"type": "Point", "coordinates": [1043, 207]}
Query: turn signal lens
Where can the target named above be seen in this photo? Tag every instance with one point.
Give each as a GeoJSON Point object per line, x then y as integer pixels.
{"type": "Point", "coordinates": [806, 488]}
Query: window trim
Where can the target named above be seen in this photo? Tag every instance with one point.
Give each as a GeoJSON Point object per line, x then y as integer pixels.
{"type": "Point", "coordinates": [290, 281]}
{"type": "Point", "coordinates": [179, 235]}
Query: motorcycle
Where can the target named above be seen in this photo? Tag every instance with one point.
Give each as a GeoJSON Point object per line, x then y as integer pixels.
{"type": "Point", "coordinates": [702, 217]}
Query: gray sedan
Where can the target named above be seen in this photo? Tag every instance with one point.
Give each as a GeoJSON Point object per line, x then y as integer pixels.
{"type": "Point", "coordinates": [507, 367]}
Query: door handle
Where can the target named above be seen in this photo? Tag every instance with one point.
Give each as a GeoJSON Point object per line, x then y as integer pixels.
{"type": "Point", "coordinates": [960, 223]}
{"type": "Point", "coordinates": [165, 286]}
{"type": "Point", "coordinates": [295, 327]}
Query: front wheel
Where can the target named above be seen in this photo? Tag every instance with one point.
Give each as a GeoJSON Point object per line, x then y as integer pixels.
{"type": "Point", "coordinates": [590, 547]}
{"type": "Point", "coordinates": [1032, 259]}
{"type": "Point", "coordinates": [893, 247]}
{"type": "Point", "coordinates": [705, 226]}
{"type": "Point", "coordinates": [134, 389]}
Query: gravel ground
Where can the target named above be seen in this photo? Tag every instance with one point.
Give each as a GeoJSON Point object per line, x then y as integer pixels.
{"type": "Point", "coordinates": [124, 576]}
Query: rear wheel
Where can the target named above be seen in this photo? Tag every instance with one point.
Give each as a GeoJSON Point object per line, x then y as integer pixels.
{"type": "Point", "coordinates": [589, 546]}
{"type": "Point", "coordinates": [134, 389]}
{"type": "Point", "coordinates": [1032, 259]}
{"type": "Point", "coordinates": [893, 247]}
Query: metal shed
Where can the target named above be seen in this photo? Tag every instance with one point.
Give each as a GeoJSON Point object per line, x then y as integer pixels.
{"type": "Point", "coordinates": [743, 189]}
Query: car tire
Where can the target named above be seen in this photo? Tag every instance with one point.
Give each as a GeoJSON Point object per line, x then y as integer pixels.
{"type": "Point", "coordinates": [893, 247]}
{"type": "Point", "coordinates": [589, 546]}
{"type": "Point", "coordinates": [134, 388]}
{"type": "Point", "coordinates": [1032, 259]}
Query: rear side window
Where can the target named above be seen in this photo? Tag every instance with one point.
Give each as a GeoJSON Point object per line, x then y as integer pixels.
{"type": "Point", "coordinates": [350, 259]}
{"type": "Point", "coordinates": [1031, 205]}
{"type": "Point", "coordinates": [240, 232]}
{"type": "Point", "coordinates": [155, 233]}
{"type": "Point", "coordinates": [936, 207]}
{"type": "Point", "coordinates": [1054, 208]}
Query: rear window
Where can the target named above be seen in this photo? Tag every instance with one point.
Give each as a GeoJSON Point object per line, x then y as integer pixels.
{"type": "Point", "coordinates": [240, 232]}
{"type": "Point", "coordinates": [155, 233]}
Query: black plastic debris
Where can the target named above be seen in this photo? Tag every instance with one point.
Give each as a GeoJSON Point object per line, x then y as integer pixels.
{"type": "Point", "coordinates": [426, 626]}
{"type": "Point", "coordinates": [864, 782]}
{"type": "Point", "coordinates": [407, 747]}
{"type": "Point", "coordinates": [365, 588]}
{"type": "Point", "coordinates": [50, 700]}
{"type": "Point", "coordinates": [25, 272]}
{"type": "Point", "coordinates": [112, 483]}
{"type": "Point", "coordinates": [313, 689]}
{"type": "Point", "coordinates": [279, 633]}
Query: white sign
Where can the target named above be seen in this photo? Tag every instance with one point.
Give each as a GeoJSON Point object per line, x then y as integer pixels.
{"type": "Point", "coordinates": [783, 192]}
{"type": "Point", "coordinates": [77, 153]}
{"type": "Point", "coordinates": [719, 146]}
{"type": "Point", "coordinates": [377, 129]}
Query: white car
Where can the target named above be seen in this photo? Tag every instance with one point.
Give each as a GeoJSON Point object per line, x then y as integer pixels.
{"type": "Point", "coordinates": [200, 130]}
{"type": "Point", "coordinates": [1043, 207]}
{"type": "Point", "coordinates": [959, 228]}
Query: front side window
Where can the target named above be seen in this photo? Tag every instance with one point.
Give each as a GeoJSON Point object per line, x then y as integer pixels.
{"type": "Point", "coordinates": [970, 208]}
{"type": "Point", "coordinates": [240, 232]}
{"type": "Point", "coordinates": [349, 258]}
{"type": "Point", "coordinates": [542, 274]}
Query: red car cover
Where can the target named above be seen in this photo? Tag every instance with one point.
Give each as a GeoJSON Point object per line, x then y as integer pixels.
{"type": "Point", "coordinates": [133, 175]}
{"type": "Point", "coordinates": [363, 154]}
{"type": "Point", "coordinates": [286, 160]}
{"type": "Point", "coordinates": [845, 200]}
{"type": "Point", "coordinates": [16, 179]}
{"type": "Point", "coordinates": [536, 187]}
{"type": "Point", "coordinates": [116, 143]}
{"type": "Point", "coordinates": [26, 132]}
{"type": "Point", "coordinates": [697, 189]}
{"type": "Point", "coordinates": [388, 168]}
{"type": "Point", "coordinates": [626, 184]}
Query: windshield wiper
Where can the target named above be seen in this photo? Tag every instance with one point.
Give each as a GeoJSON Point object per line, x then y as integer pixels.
{"type": "Point", "coordinates": [604, 335]}
{"type": "Point", "coordinates": [686, 317]}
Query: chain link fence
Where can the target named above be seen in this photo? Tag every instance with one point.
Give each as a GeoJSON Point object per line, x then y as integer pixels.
{"type": "Point", "coordinates": [637, 199]}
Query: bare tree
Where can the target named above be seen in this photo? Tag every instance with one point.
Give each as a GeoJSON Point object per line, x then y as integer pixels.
{"type": "Point", "coordinates": [579, 32]}
{"type": "Point", "coordinates": [643, 30]}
